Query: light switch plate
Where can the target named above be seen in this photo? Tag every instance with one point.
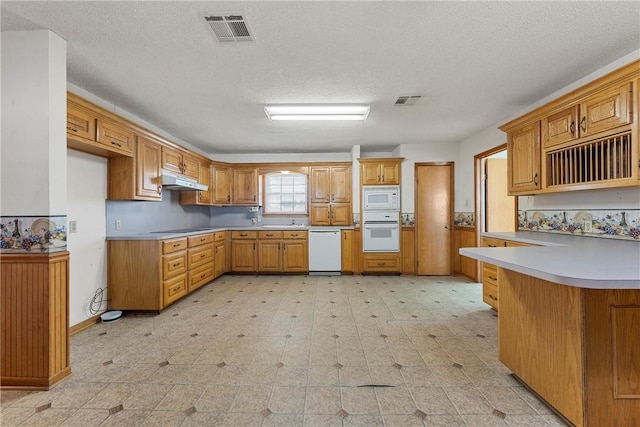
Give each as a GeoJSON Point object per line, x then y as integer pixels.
{"type": "Point", "coordinates": [73, 226]}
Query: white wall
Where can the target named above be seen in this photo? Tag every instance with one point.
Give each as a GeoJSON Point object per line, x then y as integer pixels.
{"type": "Point", "coordinates": [33, 123]}
{"type": "Point", "coordinates": [282, 157]}
{"type": "Point", "coordinates": [86, 194]}
{"type": "Point", "coordinates": [492, 137]}
{"type": "Point", "coordinates": [420, 153]}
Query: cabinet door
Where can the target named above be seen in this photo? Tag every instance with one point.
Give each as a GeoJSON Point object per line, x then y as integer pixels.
{"type": "Point", "coordinates": [408, 251]}
{"type": "Point", "coordinates": [190, 167]}
{"type": "Point", "coordinates": [560, 127]}
{"type": "Point", "coordinates": [340, 185]}
{"type": "Point", "coordinates": [295, 255]}
{"type": "Point", "coordinates": [390, 173]}
{"type": "Point", "coordinates": [606, 110]}
{"type": "Point", "coordinates": [269, 259]}
{"type": "Point", "coordinates": [245, 186]}
{"type": "Point", "coordinates": [171, 160]}
{"type": "Point", "coordinates": [370, 173]}
{"type": "Point", "coordinates": [221, 185]}
{"type": "Point", "coordinates": [347, 251]}
{"type": "Point", "coordinates": [320, 214]}
{"type": "Point", "coordinates": [114, 137]}
{"type": "Point", "coordinates": [341, 214]}
{"type": "Point", "coordinates": [80, 123]}
{"type": "Point", "coordinates": [243, 255]}
{"type": "Point", "coordinates": [148, 157]}
{"type": "Point", "coordinates": [320, 185]}
{"type": "Point", "coordinates": [523, 153]}
{"type": "Point", "coordinates": [204, 177]}
{"type": "Point", "coordinates": [220, 258]}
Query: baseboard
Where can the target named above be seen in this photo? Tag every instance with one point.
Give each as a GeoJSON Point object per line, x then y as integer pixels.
{"type": "Point", "coordinates": [84, 324]}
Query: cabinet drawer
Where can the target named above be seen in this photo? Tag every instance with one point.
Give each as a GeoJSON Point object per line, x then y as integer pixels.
{"type": "Point", "coordinates": [493, 243]}
{"type": "Point", "coordinates": [200, 256]}
{"type": "Point", "coordinates": [294, 234]}
{"type": "Point", "coordinates": [115, 137]}
{"type": "Point", "coordinates": [490, 295]}
{"type": "Point", "coordinates": [174, 265]}
{"type": "Point", "coordinates": [510, 243]}
{"type": "Point", "coordinates": [201, 239]}
{"type": "Point", "coordinates": [173, 290]}
{"type": "Point", "coordinates": [175, 245]}
{"type": "Point", "coordinates": [244, 234]}
{"type": "Point", "coordinates": [275, 234]}
{"type": "Point", "coordinates": [489, 274]}
{"type": "Point", "coordinates": [200, 276]}
{"type": "Point", "coordinates": [219, 236]}
{"type": "Point", "coordinates": [382, 262]}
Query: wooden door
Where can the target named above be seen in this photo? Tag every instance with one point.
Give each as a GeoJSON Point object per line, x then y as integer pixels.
{"type": "Point", "coordinates": [221, 183]}
{"type": "Point", "coordinates": [245, 186]}
{"type": "Point", "coordinates": [500, 208]}
{"type": "Point", "coordinates": [148, 157]}
{"type": "Point", "coordinates": [295, 256]}
{"type": "Point", "coordinates": [341, 185]}
{"type": "Point", "coordinates": [341, 214]}
{"type": "Point", "coordinates": [434, 218]}
{"type": "Point", "coordinates": [523, 147]}
{"type": "Point", "coordinates": [320, 185]}
{"type": "Point", "coordinates": [243, 255]}
{"type": "Point", "coordinates": [269, 259]}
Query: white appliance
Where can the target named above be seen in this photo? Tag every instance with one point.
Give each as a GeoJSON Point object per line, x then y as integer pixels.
{"type": "Point", "coordinates": [325, 247]}
{"type": "Point", "coordinates": [381, 198]}
{"type": "Point", "coordinates": [171, 181]}
{"type": "Point", "coordinates": [381, 231]}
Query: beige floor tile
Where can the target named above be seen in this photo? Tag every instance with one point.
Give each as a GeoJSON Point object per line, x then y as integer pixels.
{"type": "Point", "coordinates": [322, 400]}
{"type": "Point", "coordinates": [292, 376]}
{"type": "Point", "coordinates": [147, 396]}
{"type": "Point", "coordinates": [200, 419]}
{"type": "Point", "coordinates": [363, 421]}
{"type": "Point", "coordinates": [48, 417]}
{"type": "Point", "coordinates": [323, 376]}
{"type": "Point", "coordinates": [526, 421]}
{"type": "Point", "coordinates": [260, 375]}
{"type": "Point", "coordinates": [113, 395]}
{"type": "Point", "coordinates": [353, 376]}
{"type": "Point", "coordinates": [164, 419]}
{"type": "Point", "coordinates": [402, 421]}
{"type": "Point", "coordinates": [242, 420]}
{"type": "Point", "coordinates": [313, 420]}
{"type": "Point", "coordinates": [251, 399]}
{"type": "Point", "coordinates": [181, 397]}
{"type": "Point", "coordinates": [506, 399]}
{"type": "Point", "coordinates": [283, 420]}
{"type": "Point", "coordinates": [14, 416]}
{"type": "Point", "coordinates": [126, 418]}
{"type": "Point", "coordinates": [216, 398]}
{"type": "Point", "coordinates": [287, 400]}
{"type": "Point", "coordinates": [444, 421]}
{"type": "Point", "coordinates": [468, 400]}
{"type": "Point", "coordinates": [229, 375]}
{"type": "Point", "coordinates": [395, 400]}
{"type": "Point", "coordinates": [432, 400]}
{"type": "Point", "coordinates": [86, 418]}
{"type": "Point", "coordinates": [386, 376]}
{"type": "Point", "coordinates": [359, 400]}
{"type": "Point", "coordinates": [484, 421]}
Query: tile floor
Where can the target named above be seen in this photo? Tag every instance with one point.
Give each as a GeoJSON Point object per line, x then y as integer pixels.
{"type": "Point", "coordinates": [293, 351]}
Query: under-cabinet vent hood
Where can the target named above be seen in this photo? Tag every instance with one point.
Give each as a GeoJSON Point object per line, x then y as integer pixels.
{"type": "Point", "coordinates": [172, 181]}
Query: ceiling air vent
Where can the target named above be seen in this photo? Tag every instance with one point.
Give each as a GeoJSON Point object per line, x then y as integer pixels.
{"type": "Point", "coordinates": [408, 100]}
{"type": "Point", "coordinates": [230, 28]}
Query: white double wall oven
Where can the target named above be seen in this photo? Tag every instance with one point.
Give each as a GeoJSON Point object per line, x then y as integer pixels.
{"type": "Point", "coordinates": [381, 218]}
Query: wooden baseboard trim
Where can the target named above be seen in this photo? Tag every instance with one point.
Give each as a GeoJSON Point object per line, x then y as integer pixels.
{"type": "Point", "coordinates": [84, 324]}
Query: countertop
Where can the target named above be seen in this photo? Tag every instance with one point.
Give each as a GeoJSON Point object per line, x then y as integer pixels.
{"type": "Point", "coordinates": [586, 262]}
{"type": "Point", "coordinates": [174, 234]}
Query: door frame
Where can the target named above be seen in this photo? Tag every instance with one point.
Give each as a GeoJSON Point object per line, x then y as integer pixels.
{"type": "Point", "coordinates": [452, 174]}
{"type": "Point", "coordinates": [478, 170]}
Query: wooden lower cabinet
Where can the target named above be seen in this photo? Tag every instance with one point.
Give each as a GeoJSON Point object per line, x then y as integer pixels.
{"type": "Point", "coordinates": [282, 251]}
{"type": "Point", "coordinates": [464, 237]}
{"type": "Point", "coordinates": [575, 347]}
{"type": "Point", "coordinates": [295, 252]}
{"type": "Point", "coordinates": [149, 275]}
{"type": "Point", "coordinates": [220, 254]}
{"type": "Point", "coordinates": [244, 253]}
{"type": "Point", "coordinates": [347, 251]}
{"type": "Point", "coordinates": [269, 256]}
{"type": "Point", "coordinates": [381, 262]}
{"type": "Point", "coordinates": [34, 308]}
{"type": "Point", "coordinates": [408, 251]}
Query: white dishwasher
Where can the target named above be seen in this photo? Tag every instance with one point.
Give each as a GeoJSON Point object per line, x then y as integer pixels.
{"type": "Point", "coordinates": [325, 251]}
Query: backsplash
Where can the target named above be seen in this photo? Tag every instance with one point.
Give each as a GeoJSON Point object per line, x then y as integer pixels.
{"type": "Point", "coordinates": [29, 234]}
{"type": "Point", "coordinates": [609, 223]}
{"type": "Point", "coordinates": [464, 219]}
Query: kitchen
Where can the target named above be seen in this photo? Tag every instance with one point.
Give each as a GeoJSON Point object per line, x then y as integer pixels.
{"type": "Point", "coordinates": [70, 190]}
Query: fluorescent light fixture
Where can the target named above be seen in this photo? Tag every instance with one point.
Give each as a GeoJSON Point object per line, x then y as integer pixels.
{"type": "Point", "coordinates": [317, 112]}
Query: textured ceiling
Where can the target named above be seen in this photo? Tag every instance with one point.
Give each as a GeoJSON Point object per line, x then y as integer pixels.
{"type": "Point", "coordinates": [474, 63]}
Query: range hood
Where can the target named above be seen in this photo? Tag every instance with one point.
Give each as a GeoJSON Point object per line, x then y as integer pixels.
{"type": "Point", "coordinates": [172, 181]}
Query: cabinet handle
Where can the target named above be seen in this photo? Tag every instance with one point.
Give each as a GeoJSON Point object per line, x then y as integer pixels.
{"type": "Point", "coordinates": [382, 178]}
{"type": "Point", "coordinates": [278, 246]}
{"type": "Point", "coordinates": [493, 278]}
{"type": "Point", "coordinates": [294, 235]}
{"type": "Point", "coordinates": [583, 124]}
{"type": "Point", "coordinates": [177, 264]}
{"type": "Point", "coordinates": [177, 245]}
{"type": "Point", "coordinates": [381, 263]}
{"type": "Point", "coordinates": [228, 198]}
{"type": "Point", "coordinates": [333, 197]}
{"type": "Point", "coordinates": [254, 197]}
{"type": "Point", "coordinates": [159, 189]}
{"type": "Point", "coordinates": [72, 129]}
{"type": "Point", "coordinates": [269, 234]}
{"type": "Point", "coordinates": [243, 235]}
{"type": "Point", "coordinates": [378, 178]}
{"type": "Point", "coordinates": [254, 246]}
{"type": "Point", "coordinates": [493, 298]}
{"type": "Point", "coordinates": [535, 179]}
{"type": "Point", "coordinates": [202, 239]}
{"type": "Point", "coordinates": [572, 128]}
{"type": "Point", "coordinates": [176, 289]}
{"type": "Point", "coordinates": [115, 143]}
{"type": "Point", "coordinates": [203, 275]}
{"type": "Point", "coordinates": [216, 250]}
{"type": "Point", "coordinates": [202, 256]}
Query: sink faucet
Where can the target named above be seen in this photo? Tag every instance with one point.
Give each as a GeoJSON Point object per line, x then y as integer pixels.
{"type": "Point", "coordinates": [293, 222]}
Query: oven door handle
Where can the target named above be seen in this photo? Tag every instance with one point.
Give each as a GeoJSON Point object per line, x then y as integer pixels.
{"type": "Point", "coordinates": [381, 224]}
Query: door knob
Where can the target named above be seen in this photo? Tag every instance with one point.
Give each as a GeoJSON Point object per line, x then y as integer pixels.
{"type": "Point", "coordinates": [446, 227]}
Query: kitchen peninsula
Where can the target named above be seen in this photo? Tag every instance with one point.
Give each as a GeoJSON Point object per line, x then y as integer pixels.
{"type": "Point", "coordinates": [569, 320]}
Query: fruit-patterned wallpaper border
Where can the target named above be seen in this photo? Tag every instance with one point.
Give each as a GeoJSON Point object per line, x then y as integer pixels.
{"type": "Point", "coordinates": [609, 223]}
{"type": "Point", "coordinates": [33, 234]}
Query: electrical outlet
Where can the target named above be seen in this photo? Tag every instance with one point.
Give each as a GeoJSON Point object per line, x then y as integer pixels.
{"type": "Point", "coordinates": [587, 226]}
{"type": "Point", "coordinates": [73, 226]}
{"type": "Point", "coordinates": [118, 224]}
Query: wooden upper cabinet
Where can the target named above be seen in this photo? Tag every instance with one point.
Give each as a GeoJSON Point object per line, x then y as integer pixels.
{"type": "Point", "coordinates": [80, 123]}
{"type": "Point", "coordinates": [199, 197]}
{"type": "Point", "coordinates": [178, 162]}
{"type": "Point", "coordinates": [606, 110]}
{"type": "Point", "coordinates": [560, 127]}
{"type": "Point", "coordinates": [320, 185]}
{"type": "Point", "coordinates": [320, 214]}
{"type": "Point", "coordinates": [523, 154]}
{"type": "Point", "coordinates": [341, 184]}
{"type": "Point", "coordinates": [148, 157]}
{"type": "Point", "coordinates": [221, 185]}
{"type": "Point", "coordinates": [114, 136]}
{"type": "Point", "coordinates": [380, 171]}
{"type": "Point", "coordinates": [245, 186]}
